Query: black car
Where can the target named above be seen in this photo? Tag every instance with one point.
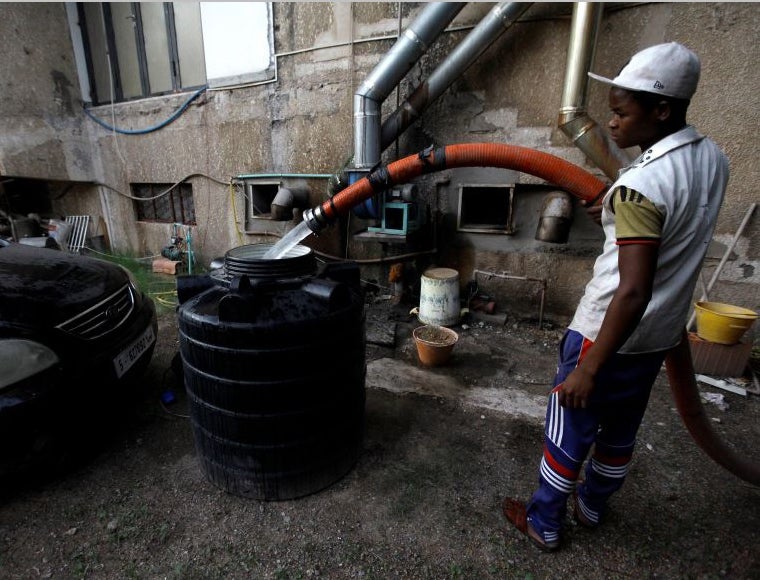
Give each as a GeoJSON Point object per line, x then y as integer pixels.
{"type": "Point", "coordinates": [75, 333]}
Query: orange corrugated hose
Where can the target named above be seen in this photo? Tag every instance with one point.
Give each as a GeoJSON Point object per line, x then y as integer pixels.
{"type": "Point", "coordinates": [582, 184]}
{"type": "Point", "coordinates": [683, 385]}
{"type": "Point", "coordinates": [549, 167]}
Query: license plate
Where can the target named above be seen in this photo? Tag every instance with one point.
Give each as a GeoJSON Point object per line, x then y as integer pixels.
{"type": "Point", "coordinates": [130, 355]}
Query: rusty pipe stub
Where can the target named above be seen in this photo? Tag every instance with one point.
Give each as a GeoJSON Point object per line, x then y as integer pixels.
{"type": "Point", "coordinates": [555, 218]}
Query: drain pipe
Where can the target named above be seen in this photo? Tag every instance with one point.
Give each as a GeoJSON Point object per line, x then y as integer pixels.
{"type": "Point", "coordinates": [495, 23]}
{"type": "Point", "coordinates": [369, 97]}
{"type": "Point", "coordinates": [574, 121]}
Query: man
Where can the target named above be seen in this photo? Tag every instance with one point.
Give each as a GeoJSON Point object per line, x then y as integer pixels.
{"type": "Point", "coordinates": [658, 218]}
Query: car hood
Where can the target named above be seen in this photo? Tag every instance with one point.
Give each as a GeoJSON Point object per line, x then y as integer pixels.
{"type": "Point", "coordinates": [41, 287]}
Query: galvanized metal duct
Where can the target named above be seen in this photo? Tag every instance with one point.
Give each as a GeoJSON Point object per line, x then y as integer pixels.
{"type": "Point", "coordinates": [388, 73]}
{"type": "Point", "coordinates": [574, 120]}
{"type": "Point", "coordinates": [496, 23]}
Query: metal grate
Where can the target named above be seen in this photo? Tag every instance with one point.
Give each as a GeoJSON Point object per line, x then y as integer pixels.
{"type": "Point", "coordinates": [78, 233]}
{"type": "Point", "coordinates": [106, 316]}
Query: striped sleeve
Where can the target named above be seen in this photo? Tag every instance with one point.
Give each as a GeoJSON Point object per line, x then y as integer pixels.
{"type": "Point", "coordinates": [637, 220]}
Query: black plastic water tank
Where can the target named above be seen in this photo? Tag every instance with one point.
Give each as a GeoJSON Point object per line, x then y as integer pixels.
{"type": "Point", "coordinates": [274, 363]}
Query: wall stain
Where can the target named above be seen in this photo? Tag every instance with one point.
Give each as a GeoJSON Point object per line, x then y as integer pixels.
{"type": "Point", "coordinates": [61, 92]}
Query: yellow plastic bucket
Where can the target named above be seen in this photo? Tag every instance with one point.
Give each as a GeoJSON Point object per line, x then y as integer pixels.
{"type": "Point", "coordinates": [722, 323]}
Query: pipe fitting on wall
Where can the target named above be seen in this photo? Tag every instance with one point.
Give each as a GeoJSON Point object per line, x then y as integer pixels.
{"type": "Point", "coordinates": [497, 22]}
{"type": "Point", "coordinates": [287, 199]}
{"type": "Point", "coordinates": [389, 72]}
{"type": "Point", "coordinates": [574, 121]}
{"type": "Point", "coordinates": [555, 218]}
{"type": "Point", "coordinates": [366, 135]}
{"type": "Point", "coordinates": [589, 137]}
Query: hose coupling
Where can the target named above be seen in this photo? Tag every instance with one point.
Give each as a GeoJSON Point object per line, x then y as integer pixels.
{"type": "Point", "coordinates": [316, 219]}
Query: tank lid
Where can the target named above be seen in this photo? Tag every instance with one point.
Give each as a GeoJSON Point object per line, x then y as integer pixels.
{"type": "Point", "coordinates": [248, 260]}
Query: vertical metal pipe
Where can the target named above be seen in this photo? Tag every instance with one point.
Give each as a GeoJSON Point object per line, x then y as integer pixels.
{"type": "Point", "coordinates": [587, 17]}
{"type": "Point", "coordinates": [388, 73]}
{"type": "Point", "coordinates": [574, 121]}
{"type": "Point", "coordinates": [496, 23]}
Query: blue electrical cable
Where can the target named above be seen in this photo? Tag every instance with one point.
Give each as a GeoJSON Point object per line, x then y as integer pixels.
{"type": "Point", "coordinates": [161, 125]}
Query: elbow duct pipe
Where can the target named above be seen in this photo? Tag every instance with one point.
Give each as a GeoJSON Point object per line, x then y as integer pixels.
{"type": "Point", "coordinates": [287, 199]}
{"type": "Point", "coordinates": [369, 97]}
{"type": "Point", "coordinates": [574, 121]}
{"type": "Point", "coordinates": [555, 218]}
{"type": "Point", "coordinates": [496, 23]}
{"type": "Point", "coordinates": [589, 137]}
{"type": "Point", "coordinates": [579, 183]}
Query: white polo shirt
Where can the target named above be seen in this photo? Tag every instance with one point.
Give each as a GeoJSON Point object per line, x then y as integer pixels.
{"type": "Point", "coordinates": [684, 175]}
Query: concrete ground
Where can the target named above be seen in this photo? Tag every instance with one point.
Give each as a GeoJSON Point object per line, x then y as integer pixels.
{"type": "Point", "coordinates": [442, 447]}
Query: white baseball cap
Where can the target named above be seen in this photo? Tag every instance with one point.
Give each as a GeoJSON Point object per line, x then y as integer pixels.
{"type": "Point", "coordinates": [668, 69]}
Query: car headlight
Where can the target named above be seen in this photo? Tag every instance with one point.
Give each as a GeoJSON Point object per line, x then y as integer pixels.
{"type": "Point", "coordinates": [20, 359]}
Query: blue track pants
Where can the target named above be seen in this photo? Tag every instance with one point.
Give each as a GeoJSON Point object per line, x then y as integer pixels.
{"type": "Point", "coordinates": [609, 424]}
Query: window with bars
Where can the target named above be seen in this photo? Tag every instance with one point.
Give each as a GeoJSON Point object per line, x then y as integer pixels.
{"type": "Point", "coordinates": [176, 206]}
{"type": "Point", "coordinates": [132, 50]}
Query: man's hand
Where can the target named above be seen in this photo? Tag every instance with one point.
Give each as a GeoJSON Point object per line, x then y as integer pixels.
{"type": "Point", "coordinates": [593, 211]}
{"type": "Point", "coordinates": [637, 264]}
{"type": "Point", "coordinates": [576, 390]}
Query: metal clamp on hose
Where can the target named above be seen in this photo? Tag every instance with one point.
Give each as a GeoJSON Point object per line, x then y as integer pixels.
{"type": "Point", "coordinates": [316, 219]}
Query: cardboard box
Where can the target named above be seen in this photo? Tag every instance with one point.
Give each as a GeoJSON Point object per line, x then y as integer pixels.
{"type": "Point", "coordinates": [721, 360]}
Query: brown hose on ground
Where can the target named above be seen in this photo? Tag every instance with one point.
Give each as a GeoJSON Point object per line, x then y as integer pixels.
{"type": "Point", "coordinates": [684, 388]}
{"type": "Point", "coordinates": [582, 184]}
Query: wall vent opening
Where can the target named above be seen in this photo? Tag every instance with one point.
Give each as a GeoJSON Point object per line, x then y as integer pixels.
{"type": "Point", "coordinates": [258, 200]}
{"type": "Point", "coordinates": [485, 208]}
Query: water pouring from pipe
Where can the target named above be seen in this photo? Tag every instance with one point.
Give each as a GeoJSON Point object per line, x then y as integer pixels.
{"type": "Point", "coordinates": [288, 242]}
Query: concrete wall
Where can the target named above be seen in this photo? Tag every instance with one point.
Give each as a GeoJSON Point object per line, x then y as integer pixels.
{"type": "Point", "coordinates": [41, 125]}
{"type": "Point", "coordinates": [302, 123]}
